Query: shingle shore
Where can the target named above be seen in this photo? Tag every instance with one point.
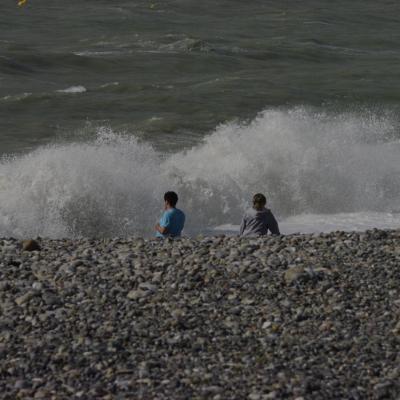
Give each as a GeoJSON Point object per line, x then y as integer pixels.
{"type": "Point", "coordinates": [299, 316]}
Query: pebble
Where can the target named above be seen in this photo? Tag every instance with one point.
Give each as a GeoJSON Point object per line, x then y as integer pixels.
{"type": "Point", "coordinates": [25, 298]}
{"type": "Point", "coordinates": [137, 294]}
{"type": "Point", "coordinates": [294, 274]}
{"type": "Point", "coordinates": [30, 245]}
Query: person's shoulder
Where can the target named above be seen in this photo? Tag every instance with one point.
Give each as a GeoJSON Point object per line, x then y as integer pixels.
{"type": "Point", "coordinates": [270, 215]}
{"type": "Point", "coordinates": [250, 212]}
{"type": "Point", "coordinates": [177, 211]}
{"type": "Point", "coordinates": [168, 214]}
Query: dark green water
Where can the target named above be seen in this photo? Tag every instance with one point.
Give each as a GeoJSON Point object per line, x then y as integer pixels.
{"type": "Point", "coordinates": [105, 105]}
{"type": "Point", "coordinates": [176, 69]}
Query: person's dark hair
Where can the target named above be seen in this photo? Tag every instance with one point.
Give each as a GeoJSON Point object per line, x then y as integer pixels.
{"type": "Point", "coordinates": [259, 201]}
{"type": "Point", "coordinates": [171, 197]}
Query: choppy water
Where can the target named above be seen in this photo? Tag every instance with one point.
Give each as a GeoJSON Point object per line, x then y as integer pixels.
{"type": "Point", "coordinates": [105, 105]}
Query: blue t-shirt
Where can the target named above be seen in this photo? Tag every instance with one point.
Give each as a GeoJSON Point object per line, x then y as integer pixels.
{"type": "Point", "coordinates": [174, 220]}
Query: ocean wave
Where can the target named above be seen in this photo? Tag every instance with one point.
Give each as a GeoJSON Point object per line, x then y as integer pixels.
{"type": "Point", "coordinates": [185, 44]}
{"type": "Point", "coordinates": [70, 90]}
{"type": "Point", "coordinates": [73, 90]}
{"type": "Point", "coordinates": [96, 53]}
{"type": "Point", "coordinates": [16, 97]}
{"type": "Point", "coordinates": [109, 84]}
{"type": "Point", "coordinates": [305, 162]}
{"type": "Point", "coordinates": [9, 65]}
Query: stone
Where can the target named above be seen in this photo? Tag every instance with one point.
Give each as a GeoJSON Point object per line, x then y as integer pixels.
{"type": "Point", "coordinates": [30, 245]}
{"type": "Point", "coordinates": [294, 274]}
{"type": "Point", "coordinates": [137, 294]}
{"type": "Point", "coordinates": [25, 297]}
{"type": "Point", "coordinates": [266, 324]}
{"type": "Point", "coordinates": [396, 329]}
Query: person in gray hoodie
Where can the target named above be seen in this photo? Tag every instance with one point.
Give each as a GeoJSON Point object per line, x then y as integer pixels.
{"type": "Point", "coordinates": [258, 220]}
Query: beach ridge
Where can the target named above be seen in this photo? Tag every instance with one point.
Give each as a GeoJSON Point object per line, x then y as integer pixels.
{"type": "Point", "coordinates": [298, 316]}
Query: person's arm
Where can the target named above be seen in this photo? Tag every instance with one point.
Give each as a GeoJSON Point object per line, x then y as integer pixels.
{"type": "Point", "coordinates": [242, 226]}
{"type": "Point", "coordinates": [162, 229]}
{"type": "Point", "coordinates": [162, 226]}
{"type": "Point", "coordinates": [273, 225]}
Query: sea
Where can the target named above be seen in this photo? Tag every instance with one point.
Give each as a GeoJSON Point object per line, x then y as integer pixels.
{"type": "Point", "coordinates": [107, 104]}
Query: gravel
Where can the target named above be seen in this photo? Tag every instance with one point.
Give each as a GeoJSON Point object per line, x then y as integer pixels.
{"type": "Point", "coordinates": [298, 317]}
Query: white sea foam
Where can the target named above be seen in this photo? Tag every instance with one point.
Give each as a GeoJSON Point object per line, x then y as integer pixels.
{"type": "Point", "coordinates": [16, 97]}
{"type": "Point", "coordinates": [357, 221]}
{"type": "Point", "coordinates": [90, 53]}
{"type": "Point", "coordinates": [306, 163]}
{"type": "Point", "coordinates": [73, 90]}
{"type": "Point", "coordinates": [109, 84]}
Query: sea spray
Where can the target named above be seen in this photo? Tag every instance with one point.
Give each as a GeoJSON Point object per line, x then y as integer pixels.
{"type": "Point", "coordinates": [305, 162]}
{"type": "Point", "coordinates": [92, 189]}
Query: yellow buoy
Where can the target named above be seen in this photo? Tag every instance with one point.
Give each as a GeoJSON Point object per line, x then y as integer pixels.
{"type": "Point", "coordinates": [21, 2]}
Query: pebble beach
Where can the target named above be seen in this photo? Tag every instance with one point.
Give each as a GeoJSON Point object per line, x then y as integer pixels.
{"type": "Point", "coordinates": [313, 316]}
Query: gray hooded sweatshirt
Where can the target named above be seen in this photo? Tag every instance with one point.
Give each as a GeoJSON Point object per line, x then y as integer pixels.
{"type": "Point", "coordinates": [258, 222]}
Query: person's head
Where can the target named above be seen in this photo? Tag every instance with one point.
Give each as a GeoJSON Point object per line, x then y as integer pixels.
{"type": "Point", "coordinates": [259, 201]}
{"type": "Point", "coordinates": [170, 199]}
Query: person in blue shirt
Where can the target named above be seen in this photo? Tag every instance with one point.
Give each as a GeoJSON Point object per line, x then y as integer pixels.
{"type": "Point", "coordinates": [172, 220]}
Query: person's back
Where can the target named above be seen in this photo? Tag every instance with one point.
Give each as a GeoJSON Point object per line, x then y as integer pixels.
{"type": "Point", "coordinates": [258, 220]}
{"type": "Point", "coordinates": [173, 220]}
